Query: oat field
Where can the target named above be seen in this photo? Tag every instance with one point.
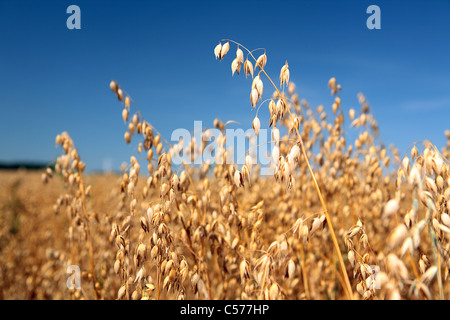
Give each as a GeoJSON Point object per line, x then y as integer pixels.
{"type": "Point", "coordinates": [335, 219]}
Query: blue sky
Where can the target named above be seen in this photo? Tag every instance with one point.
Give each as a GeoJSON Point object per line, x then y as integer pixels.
{"type": "Point", "coordinates": [161, 52]}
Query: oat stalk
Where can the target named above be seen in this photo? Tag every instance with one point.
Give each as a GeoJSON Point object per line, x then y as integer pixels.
{"type": "Point", "coordinates": [347, 286]}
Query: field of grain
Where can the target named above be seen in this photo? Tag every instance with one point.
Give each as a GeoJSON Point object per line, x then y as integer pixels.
{"type": "Point", "coordinates": [337, 219]}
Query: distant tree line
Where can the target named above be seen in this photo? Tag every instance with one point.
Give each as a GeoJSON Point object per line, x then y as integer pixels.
{"type": "Point", "coordinates": [23, 165]}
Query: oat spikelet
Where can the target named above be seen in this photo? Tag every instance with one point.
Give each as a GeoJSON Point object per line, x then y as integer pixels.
{"type": "Point", "coordinates": [239, 55]}
{"type": "Point", "coordinates": [254, 97]}
{"type": "Point", "coordinates": [217, 51]}
{"type": "Point", "coordinates": [284, 74]}
{"type": "Point", "coordinates": [248, 68]}
{"type": "Point", "coordinates": [256, 125]}
{"type": "Point", "coordinates": [235, 66]}
{"type": "Point", "coordinates": [224, 50]}
{"type": "Point", "coordinates": [113, 86]}
{"type": "Point", "coordinates": [261, 61]}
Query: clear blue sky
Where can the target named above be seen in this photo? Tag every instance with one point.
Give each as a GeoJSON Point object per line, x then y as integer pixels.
{"type": "Point", "coordinates": [54, 79]}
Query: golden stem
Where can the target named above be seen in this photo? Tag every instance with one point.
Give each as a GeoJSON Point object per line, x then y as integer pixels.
{"type": "Point", "coordinates": [88, 236]}
{"type": "Point", "coordinates": [305, 278]}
